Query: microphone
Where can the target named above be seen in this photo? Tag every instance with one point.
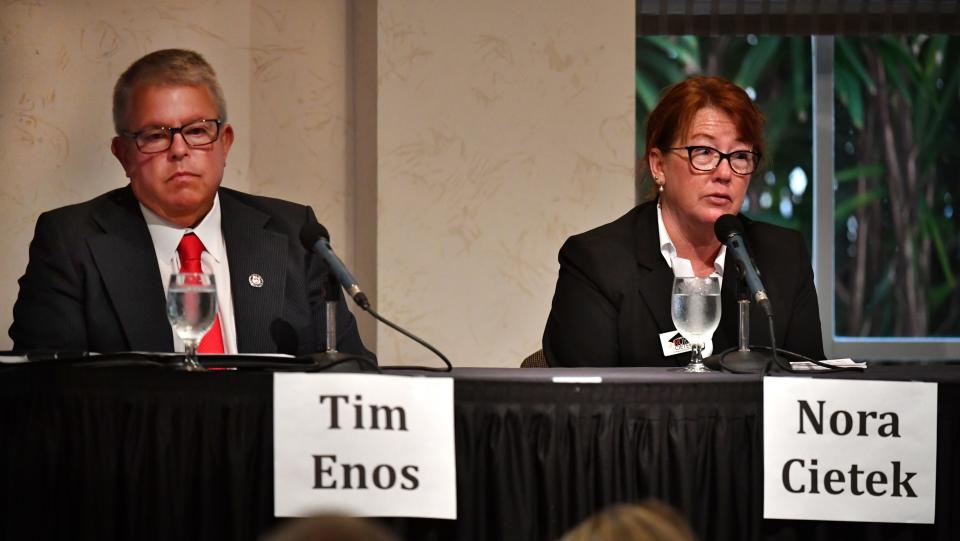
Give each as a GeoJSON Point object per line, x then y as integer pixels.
{"type": "Point", "coordinates": [315, 237]}
{"type": "Point", "coordinates": [729, 231]}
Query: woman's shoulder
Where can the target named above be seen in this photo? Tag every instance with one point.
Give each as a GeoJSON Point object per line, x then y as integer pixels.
{"type": "Point", "coordinates": [777, 250]}
{"type": "Point", "coordinates": [768, 233]}
{"type": "Point", "coordinates": [610, 250]}
{"type": "Point", "coordinates": [619, 232]}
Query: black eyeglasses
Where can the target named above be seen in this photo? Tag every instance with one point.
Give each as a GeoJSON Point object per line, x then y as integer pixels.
{"type": "Point", "coordinates": [153, 139]}
{"type": "Point", "coordinates": [742, 162]}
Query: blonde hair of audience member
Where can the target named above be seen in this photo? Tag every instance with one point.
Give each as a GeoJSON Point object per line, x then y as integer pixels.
{"type": "Point", "coordinates": [331, 528]}
{"type": "Point", "coordinates": [651, 520]}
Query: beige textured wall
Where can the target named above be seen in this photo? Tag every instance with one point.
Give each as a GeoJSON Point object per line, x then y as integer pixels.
{"type": "Point", "coordinates": [503, 127]}
{"type": "Point", "coordinates": [300, 112]}
{"type": "Point", "coordinates": [486, 133]}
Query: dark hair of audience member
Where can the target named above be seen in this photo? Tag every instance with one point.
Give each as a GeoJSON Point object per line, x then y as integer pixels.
{"type": "Point", "coordinates": [331, 528]}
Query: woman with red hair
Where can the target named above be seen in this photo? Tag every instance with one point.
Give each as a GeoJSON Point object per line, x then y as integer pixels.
{"type": "Point", "coordinates": [612, 302]}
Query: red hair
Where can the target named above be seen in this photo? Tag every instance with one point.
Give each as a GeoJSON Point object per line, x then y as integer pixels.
{"type": "Point", "coordinates": [670, 120]}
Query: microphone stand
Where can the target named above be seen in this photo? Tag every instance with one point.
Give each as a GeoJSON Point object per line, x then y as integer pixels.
{"type": "Point", "coordinates": [742, 360]}
{"type": "Point", "coordinates": [315, 238]}
{"type": "Point", "coordinates": [331, 359]}
{"type": "Point", "coordinates": [331, 319]}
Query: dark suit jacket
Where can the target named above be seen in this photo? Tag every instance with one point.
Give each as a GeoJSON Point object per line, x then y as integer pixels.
{"type": "Point", "coordinates": [92, 283]}
{"type": "Point", "coordinates": [613, 295]}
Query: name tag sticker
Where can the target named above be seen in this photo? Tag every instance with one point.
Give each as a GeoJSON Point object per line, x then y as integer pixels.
{"type": "Point", "coordinates": [674, 343]}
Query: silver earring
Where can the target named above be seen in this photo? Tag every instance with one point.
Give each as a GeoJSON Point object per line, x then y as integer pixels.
{"type": "Point", "coordinates": [659, 184]}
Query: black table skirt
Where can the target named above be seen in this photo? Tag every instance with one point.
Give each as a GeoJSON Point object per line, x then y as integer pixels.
{"type": "Point", "coordinates": [147, 453]}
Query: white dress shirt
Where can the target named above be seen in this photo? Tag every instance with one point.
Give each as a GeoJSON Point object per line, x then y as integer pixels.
{"type": "Point", "coordinates": [166, 237]}
{"type": "Point", "coordinates": [683, 267]}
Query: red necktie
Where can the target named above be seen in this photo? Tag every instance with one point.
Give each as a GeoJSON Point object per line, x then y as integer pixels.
{"type": "Point", "coordinates": [190, 249]}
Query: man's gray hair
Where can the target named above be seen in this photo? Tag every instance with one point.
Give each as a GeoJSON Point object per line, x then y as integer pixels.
{"type": "Point", "coordinates": [167, 67]}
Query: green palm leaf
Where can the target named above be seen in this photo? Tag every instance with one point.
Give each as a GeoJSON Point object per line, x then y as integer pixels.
{"type": "Point", "coordinates": [848, 92]}
{"type": "Point", "coordinates": [646, 92]}
{"type": "Point", "coordinates": [932, 229]}
{"type": "Point", "coordinates": [897, 52]}
{"type": "Point", "coordinates": [851, 204]}
{"type": "Point", "coordinates": [849, 57]}
{"type": "Point", "coordinates": [943, 105]}
{"type": "Point", "coordinates": [799, 80]}
{"type": "Point", "coordinates": [681, 51]}
{"type": "Point", "coordinates": [756, 61]}
{"type": "Point", "coordinates": [866, 170]}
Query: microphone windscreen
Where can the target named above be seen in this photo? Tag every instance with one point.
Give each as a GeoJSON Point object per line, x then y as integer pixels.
{"type": "Point", "coordinates": [727, 225]}
{"type": "Point", "coordinates": [311, 233]}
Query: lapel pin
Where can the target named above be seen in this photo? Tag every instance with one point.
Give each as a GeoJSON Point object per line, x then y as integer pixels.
{"type": "Point", "coordinates": [255, 280]}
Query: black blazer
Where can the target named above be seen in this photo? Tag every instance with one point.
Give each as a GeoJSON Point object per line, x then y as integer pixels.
{"type": "Point", "coordinates": [92, 282]}
{"type": "Point", "coordinates": [613, 295]}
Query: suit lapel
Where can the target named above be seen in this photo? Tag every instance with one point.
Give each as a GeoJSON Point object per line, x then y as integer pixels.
{"type": "Point", "coordinates": [126, 260]}
{"type": "Point", "coordinates": [253, 250]}
{"type": "Point", "coordinates": [656, 278]}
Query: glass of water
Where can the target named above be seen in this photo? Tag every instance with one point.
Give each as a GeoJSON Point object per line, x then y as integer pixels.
{"type": "Point", "coordinates": [695, 309]}
{"type": "Point", "coordinates": [191, 309]}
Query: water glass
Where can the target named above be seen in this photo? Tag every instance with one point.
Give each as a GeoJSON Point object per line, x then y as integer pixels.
{"type": "Point", "coordinates": [695, 309]}
{"type": "Point", "coordinates": [191, 309]}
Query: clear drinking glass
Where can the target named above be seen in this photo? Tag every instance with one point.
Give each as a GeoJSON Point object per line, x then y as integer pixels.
{"type": "Point", "coordinates": [695, 309]}
{"type": "Point", "coordinates": [191, 309]}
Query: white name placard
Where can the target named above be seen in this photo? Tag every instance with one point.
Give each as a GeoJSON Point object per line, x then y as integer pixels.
{"type": "Point", "coordinates": [859, 451]}
{"type": "Point", "coordinates": [363, 445]}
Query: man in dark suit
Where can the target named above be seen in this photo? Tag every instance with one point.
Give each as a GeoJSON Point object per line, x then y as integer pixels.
{"type": "Point", "coordinates": [612, 301]}
{"type": "Point", "coordinates": [98, 270]}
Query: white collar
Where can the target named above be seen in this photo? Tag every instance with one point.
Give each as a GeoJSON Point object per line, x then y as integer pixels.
{"type": "Point", "coordinates": [166, 236]}
{"type": "Point", "coordinates": [681, 266]}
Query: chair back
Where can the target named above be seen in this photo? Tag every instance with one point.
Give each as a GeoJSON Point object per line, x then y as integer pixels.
{"type": "Point", "coordinates": [535, 360]}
